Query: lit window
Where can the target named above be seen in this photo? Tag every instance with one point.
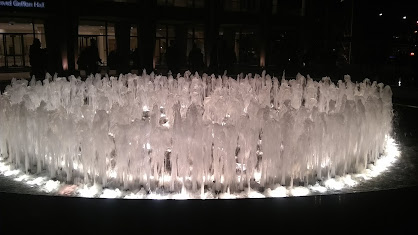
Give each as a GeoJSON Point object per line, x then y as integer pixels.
{"type": "Point", "coordinates": [195, 35]}
{"type": "Point", "coordinates": [16, 37]}
{"type": "Point", "coordinates": [134, 59]}
{"type": "Point", "coordinates": [165, 37]}
{"type": "Point", "coordinates": [104, 35]}
{"type": "Point", "coordinates": [248, 47]}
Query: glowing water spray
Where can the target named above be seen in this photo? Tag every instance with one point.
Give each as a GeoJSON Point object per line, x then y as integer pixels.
{"type": "Point", "coordinates": [194, 133]}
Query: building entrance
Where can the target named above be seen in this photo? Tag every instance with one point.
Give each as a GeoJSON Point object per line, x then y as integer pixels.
{"type": "Point", "coordinates": [13, 53]}
{"type": "Point", "coordinates": [16, 37]}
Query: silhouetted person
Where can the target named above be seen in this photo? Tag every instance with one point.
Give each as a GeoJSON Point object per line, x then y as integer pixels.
{"type": "Point", "coordinates": [195, 58]}
{"type": "Point", "coordinates": [81, 61]}
{"type": "Point", "coordinates": [112, 60]}
{"type": "Point", "coordinates": [37, 59]}
{"type": "Point", "coordinates": [216, 59]}
{"type": "Point", "coordinates": [229, 57]}
{"type": "Point", "coordinates": [135, 58]}
{"type": "Point", "coordinates": [89, 58]}
{"type": "Point", "coordinates": [222, 57]}
{"type": "Point", "coordinates": [171, 57]}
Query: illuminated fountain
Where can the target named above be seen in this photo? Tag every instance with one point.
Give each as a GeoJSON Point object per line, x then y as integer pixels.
{"type": "Point", "coordinates": [194, 133]}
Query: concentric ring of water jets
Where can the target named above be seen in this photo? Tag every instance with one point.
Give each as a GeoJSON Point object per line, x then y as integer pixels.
{"type": "Point", "coordinates": [157, 136]}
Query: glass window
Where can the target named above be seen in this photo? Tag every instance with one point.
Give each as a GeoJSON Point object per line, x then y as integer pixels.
{"type": "Point", "coordinates": [196, 35]}
{"type": "Point", "coordinates": [134, 31]}
{"type": "Point", "coordinates": [284, 44]}
{"type": "Point", "coordinates": [242, 5]}
{"type": "Point", "coordinates": [165, 36]}
{"type": "Point", "coordinates": [102, 32]}
{"type": "Point", "coordinates": [246, 47]}
{"type": "Point", "coordinates": [134, 58]}
{"type": "Point", "coordinates": [133, 38]}
{"type": "Point", "coordinates": [16, 37]}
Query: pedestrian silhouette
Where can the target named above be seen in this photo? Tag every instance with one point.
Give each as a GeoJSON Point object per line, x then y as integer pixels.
{"type": "Point", "coordinates": [216, 57]}
{"type": "Point", "coordinates": [229, 57]}
{"type": "Point", "coordinates": [222, 57]}
{"type": "Point", "coordinates": [112, 60]}
{"type": "Point", "coordinates": [135, 58]}
{"type": "Point", "coordinates": [195, 59]}
{"type": "Point", "coordinates": [171, 57]}
{"type": "Point", "coordinates": [37, 59]}
{"type": "Point", "coordinates": [89, 59]}
{"type": "Point", "coordinates": [82, 64]}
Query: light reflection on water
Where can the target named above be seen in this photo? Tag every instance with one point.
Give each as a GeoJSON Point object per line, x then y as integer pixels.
{"type": "Point", "coordinates": [393, 170]}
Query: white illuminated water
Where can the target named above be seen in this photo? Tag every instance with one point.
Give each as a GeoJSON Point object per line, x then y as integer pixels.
{"type": "Point", "coordinates": [150, 136]}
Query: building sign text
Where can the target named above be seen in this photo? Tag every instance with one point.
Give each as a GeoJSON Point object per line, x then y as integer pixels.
{"type": "Point", "coordinates": [27, 4]}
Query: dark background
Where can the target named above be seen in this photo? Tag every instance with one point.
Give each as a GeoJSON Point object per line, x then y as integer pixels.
{"type": "Point", "coordinates": [319, 38]}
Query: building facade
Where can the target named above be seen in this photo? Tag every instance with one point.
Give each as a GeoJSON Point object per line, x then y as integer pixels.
{"type": "Point", "coordinates": [140, 33]}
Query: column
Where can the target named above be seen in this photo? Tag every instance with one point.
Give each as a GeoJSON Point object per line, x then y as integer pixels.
{"type": "Point", "coordinates": [146, 35]}
{"type": "Point", "coordinates": [61, 30]}
{"type": "Point", "coordinates": [55, 45]}
{"type": "Point", "coordinates": [122, 33]}
{"type": "Point", "coordinates": [146, 45]}
{"type": "Point", "coordinates": [181, 42]}
{"type": "Point", "coordinates": [72, 43]}
{"type": "Point", "coordinates": [211, 28]}
{"type": "Point", "coordinates": [265, 32]}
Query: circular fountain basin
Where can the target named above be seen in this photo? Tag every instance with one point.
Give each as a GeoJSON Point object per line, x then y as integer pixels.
{"type": "Point", "coordinates": [195, 136]}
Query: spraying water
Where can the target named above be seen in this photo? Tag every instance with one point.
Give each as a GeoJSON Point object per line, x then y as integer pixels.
{"type": "Point", "coordinates": [196, 133]}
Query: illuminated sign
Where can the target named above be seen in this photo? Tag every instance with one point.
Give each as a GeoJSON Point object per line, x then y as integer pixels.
{"type": "Point", "coordinates": [24, 4]}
